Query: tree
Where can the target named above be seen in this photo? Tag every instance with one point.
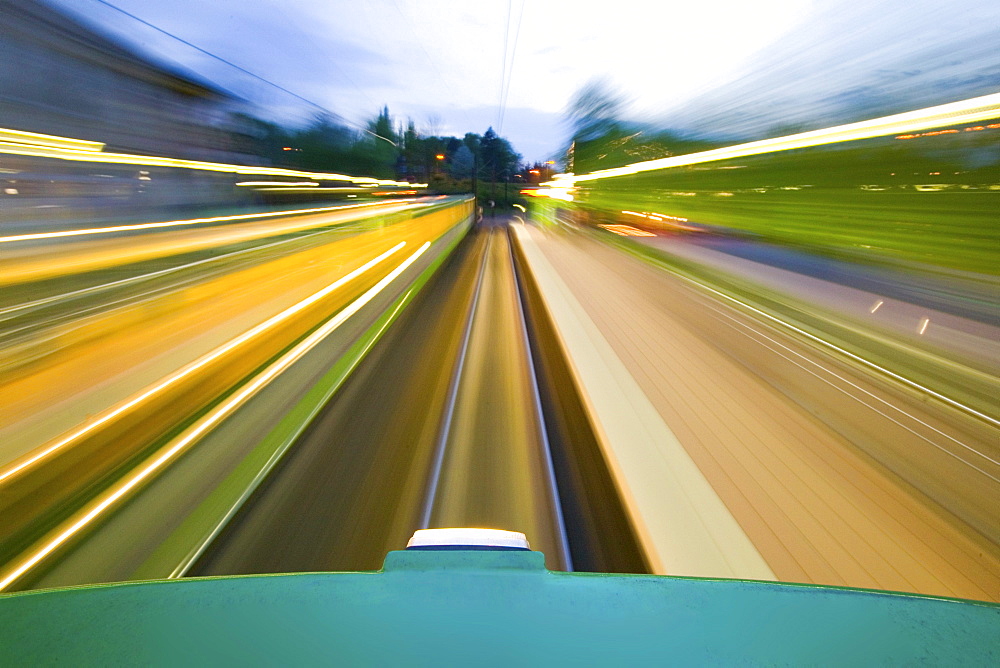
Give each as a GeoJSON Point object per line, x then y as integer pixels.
{"type": "Point", "coordinates": [412, 150]}
{"type": "Point", "coordinates": [384, 149]}
{"type": "Point", "coordinates": [462, 162]}
{"type": "Point", "coordinates": [472, 142]}
{"type": "Point", "coordinates": [497, 157]}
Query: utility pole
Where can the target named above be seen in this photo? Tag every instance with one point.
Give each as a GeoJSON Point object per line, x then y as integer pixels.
{"type": "Point", "coordinates": [475, 177]}
{"type": "Point", "coordinates": [493, 182]}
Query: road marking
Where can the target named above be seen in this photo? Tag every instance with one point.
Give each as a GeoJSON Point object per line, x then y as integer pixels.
{"type": "Point", "coordinates": [954, 403]}
{"type": "Point", "coordinates": [865, 392]}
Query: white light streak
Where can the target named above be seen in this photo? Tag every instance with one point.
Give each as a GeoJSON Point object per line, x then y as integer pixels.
{"type": "Point", "coordinates": [180, 223]}
{"type": "Point", "coordinates": [176, 447]}
{"type": "Point", "coordinates": [953, 113]}
{"type": "Point", "coordinates": [186, 371]}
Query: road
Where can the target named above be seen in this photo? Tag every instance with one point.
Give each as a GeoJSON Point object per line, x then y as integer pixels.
{"type": "Point", "coordinates": [440, 427]}
{"type": "Point", "coordinates": [625, 418]}
{"type": "Point", "coordinates": [811, 456]}
{"type": "Point", "coordinates": [94, 406]}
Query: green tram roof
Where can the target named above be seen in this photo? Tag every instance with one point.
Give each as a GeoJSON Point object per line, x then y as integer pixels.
{"type": "Point", "coordinates": [488, 607]}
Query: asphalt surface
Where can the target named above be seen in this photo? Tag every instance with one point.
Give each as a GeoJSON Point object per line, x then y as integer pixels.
{"type": "Point", "coordinates": [834, 475]}
{"type": "Point", "coordinates": [440, 426]}
{"type": "Point", "coordinates": [475, 409]}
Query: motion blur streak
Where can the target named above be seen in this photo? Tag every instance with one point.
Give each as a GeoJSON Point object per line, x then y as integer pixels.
{"type": "Point", "coordinates": [199, 548]}
{"type": "Point", "coordinates": [181, 223]}
{"type": "Point", "coordinates": [964, 111]}
{"type": "Point", "coordinates": [90, 155]}
{"type": "Point", "coordinates": [191, 368]}
{"type": "Point", "coordinates": [834, 475]}
{"type": "Point", "coordinates": [170, 451]}
{"type": "Point", "coordinates": [34, 263]}
{"type": "Point", "coordinates": [143, 277]}
{"type": "Point", "coordinates": [36, 139]}
{"type": "Point", "coordinates": [826, 344]}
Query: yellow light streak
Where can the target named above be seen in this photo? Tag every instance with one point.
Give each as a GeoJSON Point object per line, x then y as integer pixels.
{"type": "Point", "coordinates": [184, 372]}
{"type": "Point", "coordinates": [333, 189]}
{"type": "Point", "coordinates": [561, 190]}
{"type": "Point", "coordinates": [276, 183]}
{"type": "Point", "coordinates": [97, 507]}
{"type": "Point", "coordinates": [50, 141]}
{"type": "Point", "coordinates": [62, 148]}
{"type": "Point", "coordinates": [192, 221]}
{"type": "Point", "coordinates": [954, 113]}
{"type": "Point", "coordinates": [627, 231]}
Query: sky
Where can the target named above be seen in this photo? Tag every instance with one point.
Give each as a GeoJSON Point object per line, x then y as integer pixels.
{"type": "Point", "coordinates": [459, 66]}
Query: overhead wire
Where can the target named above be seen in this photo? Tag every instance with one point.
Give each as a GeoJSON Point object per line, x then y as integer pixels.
{"type": "Point", "coordinates": [201, 50]}
{"type": "Point", "coordinates": [510, 70]}
{"type": "Point", "coordinates": [503, 64]}
{"type": "Point", "coordinates": [408, 22]}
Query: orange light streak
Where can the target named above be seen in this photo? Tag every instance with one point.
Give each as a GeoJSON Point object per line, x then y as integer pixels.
{"type": "Point", "coordinates": [187, 370]}
{"type": "Point", "coordinates": [169, 452]}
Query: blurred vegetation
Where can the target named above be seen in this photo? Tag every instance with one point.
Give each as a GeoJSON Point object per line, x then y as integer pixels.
{"type": "Point", "coordinates": [601, 139]}
{"type": "Point", "coordinates": [486, 163]}
{"type": "Point", "coordinates": [925, 200]}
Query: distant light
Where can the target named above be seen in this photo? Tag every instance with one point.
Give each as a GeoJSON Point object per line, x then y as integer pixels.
{"type": "Point", "coordinates": [440, 156]}
{"type": "Point", "coordinates": [627, 231]}
{"type": "Point", "coordinates": [518, 206]}
{"type": "Point", "coordinates": [277, 183]}
{"type": "Point", "coordinates": [550, 162]}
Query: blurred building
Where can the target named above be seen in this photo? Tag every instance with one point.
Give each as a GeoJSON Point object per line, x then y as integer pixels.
{"type": "Point", "coordinates": [61, 77]}
{"type": "Point", "coordinates": [58, 76]}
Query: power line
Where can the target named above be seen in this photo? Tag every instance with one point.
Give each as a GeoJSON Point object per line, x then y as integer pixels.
{"type": "Point", "coordinates": [246, 71]}
{"type": "Point", "coordinates": [510, 73]}
{"type": "Point", "coordinates": [503, 65]}
{"type": "Point", "coordinates": [408, 22]}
